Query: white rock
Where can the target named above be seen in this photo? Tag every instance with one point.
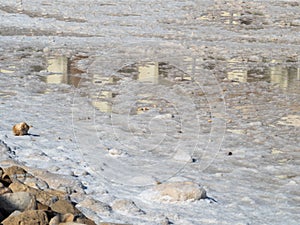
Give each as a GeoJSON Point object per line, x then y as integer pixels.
{"type": "Point", "coordinates": [182, 156]}
{"type": "Point", "coordinates": [175, 192]}
{"type": "Point", "coordinates": [115, 152]}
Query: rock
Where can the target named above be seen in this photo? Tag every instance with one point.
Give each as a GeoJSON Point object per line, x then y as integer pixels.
{"type": "Point", "coordinates": [21, 129]}
{"type": "Point", "coordinates": [43, 196]}
{"type": "Point", "coordinates": [115, 152]}
{"type": "Point", "coordinates": [55, 220]}
{"type": "Point", "coordinates": [85, 221]}
{"type": "Point", "coordinates": [4, 189]}
{"type": "Point", "coordinates": [96, 206]}
{"type": "Point", "coordinates": [17, 201]}
{"type": "Point", "coordinates": [107, 223]}
{"type": "Point", "coordinates": [71, 223]}
{"type": "Point", "coordinates": [67, 217]}
{"type": "Point", "coordinates": [1, 217]}
{"type": "Point", "coordinates": [64, 207]}
{"type": "Point", "coordinates": [126, 206]}
{"type": "Point", "coordinates": [31, 198]}
{"type": "Point", "coordinates": [13, 170]}
{"type": "Point", "coordinates": [295, 22]}
{"type": "Point", "coordinates": [254, 58]}
{"type": "Point", "coordinates": [182, 156]}
{"type": "Point", "coordinates": [16, 173]}
{"type": "Point", "coordinates": [30, 217]}
{"type": "Point", "coordinates": [175, 192]}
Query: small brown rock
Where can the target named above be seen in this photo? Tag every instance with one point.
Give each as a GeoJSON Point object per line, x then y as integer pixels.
{"type": "Point", "coordinates": [21, 129]}
{"type": "Point", "coordinates": [13, 170]}
{"type": "Point", "coordinates": [68, 217]}
{"type": "Point", "coordinates": [86, 221]}
{"type": "Point", "coordinates": [30, 217]}
{"type": "Point", "coordinates": [64, 207]}
{"type": "Point", "coordinates": [55, 220]}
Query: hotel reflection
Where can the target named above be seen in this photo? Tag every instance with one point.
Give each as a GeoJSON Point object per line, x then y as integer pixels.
{"type": "Point", "coordinates": [149, 72]}
{"type": "Point", "coordinates": [285, 77]}
{"type": "Point", "coordinates": [59, 67]}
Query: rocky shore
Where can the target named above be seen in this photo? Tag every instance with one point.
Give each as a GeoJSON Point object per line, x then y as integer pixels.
{"type": "Point", "coordinates": [25, 199]}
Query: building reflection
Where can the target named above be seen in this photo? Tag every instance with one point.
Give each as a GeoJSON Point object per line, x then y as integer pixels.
{"type": "Point", "coordinates": [102, 104]}
{"type": "Point", "coordinates": [230, 17]}
{"type": "Point", "coordinates": [149, 72]}
{"type": "Point", "coordinates": [285, 77]}
{"type": "Point", "coordinates": [59, 67]}
{"type": "Point", "coordinates": [238, 72]}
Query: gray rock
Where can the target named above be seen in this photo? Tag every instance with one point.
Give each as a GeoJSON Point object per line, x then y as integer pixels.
{"type": "Point", "coordinates": [94, 205]}
{"type": "Point", "coordinates": [126, 206]}
{"type": "Point", "coordinates": [22, 201]}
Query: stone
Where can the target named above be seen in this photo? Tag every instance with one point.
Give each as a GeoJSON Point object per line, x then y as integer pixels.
{"type": "Point", "coordinates": [42, 196]}
{"type": "Point", "coordinates": [4, 189]}
{"type": "Point", "coordinates": [254, 58]}
{"type": "Point", "coordinates": [295, 22]}
{"type": "Point", "coordinates": [68, 217]}
{"type": "Point", "coordinates": [2, 217]}
{"type": "Point", "coordinates": [55, 220]}
{"type": "Point", "coordinates": [96, 206]}
{"type": "Point", "coordinates": [29, 217]}
{"type": "Point", "coordinates": [86, 221]}
{"type": "Point", "coordinates": [126, 206]}
{"type": "Point", "coordinates": [182, 156]}
{"type": "Point", "coordinates": [21, 129]}
{"type": "Point", "coordinates": [107, 223]}
{"type": "Point", "coordinates": [22, 201]}
{"type": "Point", "coordinates": [71, 223]}
{"type": "Point", "coordinates": [13, 170]}
{"type": "Point", "coordinates": [64, 207]}
{"type": "Point", "coordinates": [176, 192]}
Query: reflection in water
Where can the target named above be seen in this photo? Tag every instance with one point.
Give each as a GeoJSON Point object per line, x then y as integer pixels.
{"type": "Point", "coordinates": [102, 105]}
{"type": "Point", "coordinates": [155, 73]}
{"type": "Point", "coordinates": [11, 69]}
{"type": "Point", "coordinates": [103, 102]}
{"type": "Point", "coordinates": [149, 73]}
{"type": "Point", "coordinates": [230, 17]}
{"type": "Point", "coordinates": [99, 79]}
{"type": "Point", "coordinates": [238, 71]}
{"type": "Point", "coordinates": [59, 67]}
{"type": "Point", "coordinates": [286, 77]}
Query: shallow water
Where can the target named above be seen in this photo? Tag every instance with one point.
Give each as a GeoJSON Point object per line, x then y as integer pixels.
{"type": "Point", "coordinates": [123, 96]}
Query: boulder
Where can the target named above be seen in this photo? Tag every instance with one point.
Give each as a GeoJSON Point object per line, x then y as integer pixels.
{"type": "Point", "coordinates": [21, 201]}
{"type": "Point", "coordinates": [64, 207]}
{"type": "Point", "coordinates": [94, 205]}
{"type": "Point", "coordinates": [29, 217]}
{"type": "Point", "coordinates": [176, 192]}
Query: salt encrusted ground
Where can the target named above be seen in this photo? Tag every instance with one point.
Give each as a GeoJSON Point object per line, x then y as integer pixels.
{"type": "Point", "coordinates": [223, 112]}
